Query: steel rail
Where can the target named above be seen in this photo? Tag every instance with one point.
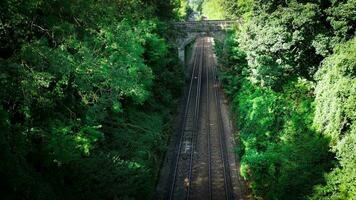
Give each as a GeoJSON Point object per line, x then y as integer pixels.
{"type": "Point", "coordinates": [206, 22]}
{"type": "Point", "coordinates": [225, 161]}
{"type": "Point", "coordinates": [196, 118]}
{"type": "Point", "coordinates": [208, 130]}
{"type": "Point", "coordinates": [171, 192]}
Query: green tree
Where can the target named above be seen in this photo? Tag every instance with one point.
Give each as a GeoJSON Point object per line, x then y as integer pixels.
{"type": "Point", "coordinates": [82, 111]}
{"type": "Point", "coordinates": [293, 96]}
{"type": "Point", "coordinates": [335, 117]}
{"type": "Point", "coordinates": [213, 9]}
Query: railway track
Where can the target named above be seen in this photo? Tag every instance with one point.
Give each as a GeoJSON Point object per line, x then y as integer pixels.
{"type": "Point", "coordinates": [201, 167]}
{"type": "Point", "coordinates": [222, 137]}
{"type": "Point", "coordinates": [182, 166]}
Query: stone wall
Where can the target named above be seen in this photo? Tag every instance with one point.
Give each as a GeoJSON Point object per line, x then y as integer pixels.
{"type": "Point", "coordinates": [189, 31]}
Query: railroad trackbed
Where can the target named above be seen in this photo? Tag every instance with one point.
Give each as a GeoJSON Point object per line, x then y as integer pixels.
{"type": "Point", "coordinates": [200, 164]}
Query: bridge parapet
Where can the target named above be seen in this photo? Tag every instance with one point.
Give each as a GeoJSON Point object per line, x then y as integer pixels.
{"type": "Point", "coordinates": [204, 26]}
{"type": "Point", "coordinates": [189, 30]}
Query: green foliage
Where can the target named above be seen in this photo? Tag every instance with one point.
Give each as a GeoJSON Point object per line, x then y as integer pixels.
{"type": "Point", "coordinates": [335, 99]}
{"type": "Point", "coordinates": [196, 5]}
{"type": "Point", "coordinates": [335, 117]}
{"type": "Point", "coordinates": [213, 9]}
{"type": "Point", "coordinates": [282, 154]}
{"type": "Point", "coordinates": [83, 115]}
{"type": "Point", "coordinates": [238, 8]}
{"type": "Point", "coordinates": [233, 61]}
{"type": "Point", "coordinates": [342, 17]}
{"type": "Point", "coordinates": [291, 84]}
{"type": "Point", "coordinates": [184, 9]}
{"type": "Point", "coordinates": [279, 45]}
{"type": "Point", "coordinates": [278, 142]}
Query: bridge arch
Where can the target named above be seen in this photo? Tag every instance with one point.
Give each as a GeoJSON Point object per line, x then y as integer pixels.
{"type": "Point", "coordinates": [190, 30]}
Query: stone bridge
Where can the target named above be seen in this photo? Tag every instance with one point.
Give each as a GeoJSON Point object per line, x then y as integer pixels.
{"type": "Point", "coordinates": [188, 31]}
